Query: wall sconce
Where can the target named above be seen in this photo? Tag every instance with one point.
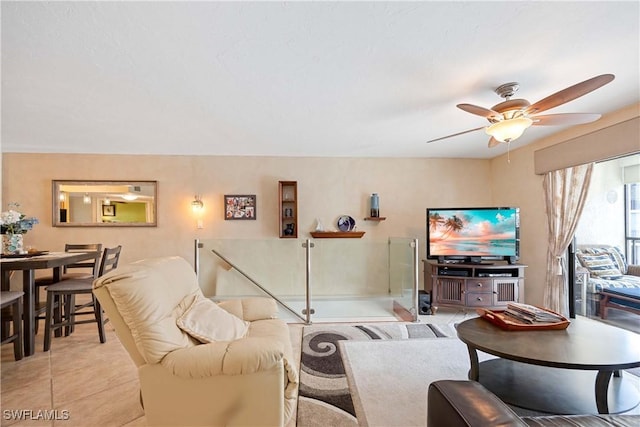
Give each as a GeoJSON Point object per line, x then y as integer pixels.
{"type": "Point", "coordinates": [197, 204]}
{"type": "Point", "coordinates": [86, 199]}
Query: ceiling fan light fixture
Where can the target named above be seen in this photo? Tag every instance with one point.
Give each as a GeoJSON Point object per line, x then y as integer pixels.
{"type": "Point", "coordinates": [510, 129]}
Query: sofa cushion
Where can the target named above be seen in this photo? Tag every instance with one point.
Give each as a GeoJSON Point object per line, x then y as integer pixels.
{"type": "Point", "coordinates": [207, 322]}
{"type": "Point", "coordinates": [616, 254]}
{"type": "Point", "coordinates": [600, 266]}
{"type": "Point", "coordinates": [619, 259]}
{"type": "Point", "coordinates": [148, 295]}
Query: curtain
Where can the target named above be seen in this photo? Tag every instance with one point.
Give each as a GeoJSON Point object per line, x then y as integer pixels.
{"type": "Point", "coordinates": [565, 193]}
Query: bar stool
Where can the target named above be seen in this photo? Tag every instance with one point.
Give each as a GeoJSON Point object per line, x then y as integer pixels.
{"type": "Point", "coordinates": [14, 299]}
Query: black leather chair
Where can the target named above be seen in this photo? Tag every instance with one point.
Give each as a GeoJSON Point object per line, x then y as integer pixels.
{"type": "Point", "coordinates": [456, 403]}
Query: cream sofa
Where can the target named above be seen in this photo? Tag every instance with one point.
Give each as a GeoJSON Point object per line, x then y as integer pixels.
{"type": "Point", "coordinates": [245, 375]}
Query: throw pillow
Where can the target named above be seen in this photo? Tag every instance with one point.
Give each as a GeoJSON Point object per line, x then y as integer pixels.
{"type": "Point", "coordinates": [600, 266]}
{"type": "Point", "coordinates": [618, 259]}
{"type": "Point", "coordinates": [207, 322]}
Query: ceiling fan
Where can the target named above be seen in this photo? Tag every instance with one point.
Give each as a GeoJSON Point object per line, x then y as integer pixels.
{"type": "Point", "coordinates": [509, 119]}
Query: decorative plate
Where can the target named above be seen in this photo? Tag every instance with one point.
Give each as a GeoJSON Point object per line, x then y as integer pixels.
{"type": "Point", "coordinates": [346, 223]}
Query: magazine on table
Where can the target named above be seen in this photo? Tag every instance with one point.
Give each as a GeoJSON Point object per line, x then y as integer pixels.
{"type": "Point", "coordinates": [531, 314]}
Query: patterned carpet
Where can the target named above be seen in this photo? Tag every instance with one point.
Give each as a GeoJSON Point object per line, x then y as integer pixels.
{"type": "Point", "coordinates": [323, 384]}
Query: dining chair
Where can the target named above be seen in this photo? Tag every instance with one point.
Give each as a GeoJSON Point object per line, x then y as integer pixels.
{"type": "Point", "coordinates": [64, 293]}
{"type": "Point", "coordinates": [13, 299]}
{"type": "Point", "coordinates": [87, 269]}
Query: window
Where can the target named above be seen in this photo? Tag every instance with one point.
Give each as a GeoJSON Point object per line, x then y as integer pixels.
{"type": "Point", "coordinates": [632, 222]}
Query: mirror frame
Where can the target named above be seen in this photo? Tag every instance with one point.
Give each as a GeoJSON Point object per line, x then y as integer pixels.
{"type": "Point", "coordinates": [55, 203]}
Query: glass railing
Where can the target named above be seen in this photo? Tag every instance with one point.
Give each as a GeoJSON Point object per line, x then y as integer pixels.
{"type": "Point", "coordinates": [403, 276]}
{"type": "Point", "coordinates": [315, 280]}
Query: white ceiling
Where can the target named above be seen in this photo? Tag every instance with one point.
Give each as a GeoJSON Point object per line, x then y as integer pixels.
{"type": "Point", "coordinates": [361, 79]}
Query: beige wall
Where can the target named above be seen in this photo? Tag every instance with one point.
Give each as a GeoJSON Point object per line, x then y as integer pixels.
{"type": "Point", "coordinates": [327, 188]}
{"type": "Point", "coordinates": [516, 183]}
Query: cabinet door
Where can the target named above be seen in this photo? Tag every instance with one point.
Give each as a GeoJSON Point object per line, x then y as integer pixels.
{"type": "Point", "coordinates": [450, 291]}
{"type": "Point", "coordinates": [505, 291]}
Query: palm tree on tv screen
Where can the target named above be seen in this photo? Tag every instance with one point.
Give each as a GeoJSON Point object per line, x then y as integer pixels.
{"type": "Point", "coordinates": [451, 224]}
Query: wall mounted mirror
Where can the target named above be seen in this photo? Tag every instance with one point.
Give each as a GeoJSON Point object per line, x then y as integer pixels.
{"type": "Point", "coordinates": [104, 203]}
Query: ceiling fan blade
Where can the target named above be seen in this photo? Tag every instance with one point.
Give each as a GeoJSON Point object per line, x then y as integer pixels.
{"type": "Point", "coordinates": [455, 134]}
{"type": "Point", "coordinates": [564, 119]}
{"type": "Point", "coordinates": [570, 93]}
{"type": "Point", "coordinates": [479, 111]}
{"type": "Point", "coordinates": [493, 142]}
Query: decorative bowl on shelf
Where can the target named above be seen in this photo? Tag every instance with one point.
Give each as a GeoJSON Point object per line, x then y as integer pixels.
{"type": "Point", "coordinates": [346, 223]}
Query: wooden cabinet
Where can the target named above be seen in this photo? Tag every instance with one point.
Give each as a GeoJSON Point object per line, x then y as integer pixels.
{"type": "Point", "coordinates": [288, 205]}
{"type": "Point", "coordinates": [473, 285]}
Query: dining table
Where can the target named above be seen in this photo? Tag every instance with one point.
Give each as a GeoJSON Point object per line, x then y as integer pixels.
{"type": "Point", "coordinates": [28, 264]}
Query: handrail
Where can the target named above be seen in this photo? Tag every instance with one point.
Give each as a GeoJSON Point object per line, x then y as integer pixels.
{"type": "Point", "coordinates": [246, 276]}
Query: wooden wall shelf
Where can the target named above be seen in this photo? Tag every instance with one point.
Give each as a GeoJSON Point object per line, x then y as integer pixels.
{"type": "Point", "coordinates": [375, 218]}
{"type": "Point", "coordinates": [288, 205]}
{"type": "Point", "coordinates": [337, 234]}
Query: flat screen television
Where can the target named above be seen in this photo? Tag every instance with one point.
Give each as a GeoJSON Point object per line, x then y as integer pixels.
{"type": "Point", "coordinates": [473, 235]}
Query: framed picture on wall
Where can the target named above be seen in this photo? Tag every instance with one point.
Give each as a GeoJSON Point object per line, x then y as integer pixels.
{"type": "Point", "coordinates": [108, 210]}
{"type": "Point", "coordinates": [240, 206]}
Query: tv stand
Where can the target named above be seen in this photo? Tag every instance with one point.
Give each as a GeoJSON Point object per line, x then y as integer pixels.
{"type": "Point", "coordinates": [470, 285]}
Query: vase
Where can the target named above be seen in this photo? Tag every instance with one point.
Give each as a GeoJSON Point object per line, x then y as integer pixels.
{"type": "Point", "coordinates": [375, 205]}
{"type": "Point", "coordinates": [12, 244]}
{"type": "Point", "coordinates": [289, 230]}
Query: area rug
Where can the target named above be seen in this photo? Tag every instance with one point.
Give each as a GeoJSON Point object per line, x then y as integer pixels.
{"type": "Point", "coordinates": [389, 380]}
{"type": "Point", "coordinates": [324, 397]}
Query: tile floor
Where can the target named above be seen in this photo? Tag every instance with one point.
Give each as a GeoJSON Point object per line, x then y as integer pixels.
{"type": "Point", "coordinates": [85, 383]}
{"type": "Point", "coordinates": [92, 384]}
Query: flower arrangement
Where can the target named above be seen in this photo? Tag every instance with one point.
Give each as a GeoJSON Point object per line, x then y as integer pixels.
{"type": "Point", "coordinates": [15, 222]}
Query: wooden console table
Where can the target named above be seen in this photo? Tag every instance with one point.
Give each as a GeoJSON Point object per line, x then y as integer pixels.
{"type": "Point", "coordinates": [490, 286]}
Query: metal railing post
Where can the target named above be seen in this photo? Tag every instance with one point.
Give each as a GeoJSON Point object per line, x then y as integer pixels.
{"type": "Point", "coordinates": [308, 311]}
{"type": "Point", "coordinates": [416, 280]}
{"type": "Point", "coordinates": [196, 256]}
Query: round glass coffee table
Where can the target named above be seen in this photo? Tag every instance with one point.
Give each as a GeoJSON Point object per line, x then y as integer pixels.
{"type": "Point", "coordinates": [557, 371]}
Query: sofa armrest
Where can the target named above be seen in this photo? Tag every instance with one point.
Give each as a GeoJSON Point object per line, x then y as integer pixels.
{"type": "Point", "coordinates": [240, 357]}
{"type": "Point", "coordinates": [633, 270]}
{"type": "Point", "coordinates": [454, 403]}
{"type": "Point", "coordinates": [251, 309]}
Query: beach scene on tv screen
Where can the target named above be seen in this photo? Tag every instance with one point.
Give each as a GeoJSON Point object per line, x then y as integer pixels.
{"type": "Point", "coordinates": [472, 232]}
